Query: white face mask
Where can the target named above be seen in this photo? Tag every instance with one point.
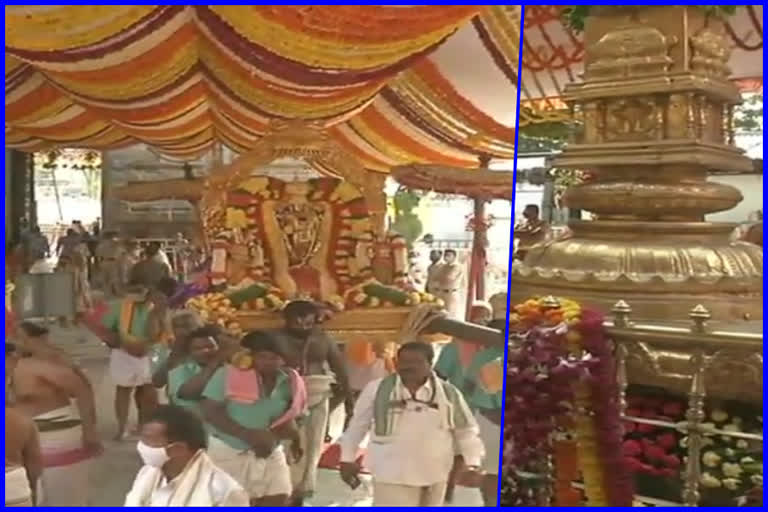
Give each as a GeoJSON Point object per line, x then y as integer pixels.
{"type": "Point", "coordinates": [153, 456]}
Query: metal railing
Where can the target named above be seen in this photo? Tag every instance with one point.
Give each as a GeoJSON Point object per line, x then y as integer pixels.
{"type": "Point", "coordinates": [704, 348]}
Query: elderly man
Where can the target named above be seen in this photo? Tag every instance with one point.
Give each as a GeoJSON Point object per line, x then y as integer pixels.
{"type": "Point", "coordinates": [418, 424]}
{"type": "Point", "coordinates": [177, 471]}
{"type": "Point", "coordinates": [23, 460]}
{"type": "Point", "coordinates": [42, 390]}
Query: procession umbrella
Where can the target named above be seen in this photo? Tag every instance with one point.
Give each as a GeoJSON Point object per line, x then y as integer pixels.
{"type": "Point", "coordinates": [481, 185]}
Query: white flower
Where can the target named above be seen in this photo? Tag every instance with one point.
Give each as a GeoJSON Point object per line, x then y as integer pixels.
{"type": "Point", "coordinates": [757, 479]}
{"type": "Point", "coordinates": [719, 416]}
{"type": "Point", "coordinates": [684, 442]}
{"type": "Point", "coordinates": [729, 428]}
{"type": "Point", "coordinates": [737, 421]}
{"type": "Point", "coordinates": [709, 481]}
{"type": "Point", "coordinates": [711, 459]}
{"type": "Point", "coordinates": [707, 426]}
{"type": "Point", "coordinates": [731, 483]}
{"type": "Point", "coordinates": [732, 470]}
{"type": "Point", "coordinates": [746, 460]}
{"type": "Point", "coordinates": [729, 452]}
{"type": "Point", "coordinates": [707, 441]}
{"type": "Point", "coordinates": [742, 444]}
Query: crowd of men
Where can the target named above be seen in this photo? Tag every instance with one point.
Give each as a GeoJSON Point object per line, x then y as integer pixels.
{"type": "Point", "coordinates": [247, 420]}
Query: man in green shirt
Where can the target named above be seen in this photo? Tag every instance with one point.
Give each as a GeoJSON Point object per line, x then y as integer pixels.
{"type": "Point", "coordinates": [136, 325]}
{"type": "Point", "coordinates": [202, 357]}
{"type": "Point", "coordinates": [241, 408]}
{"type": "Point", "coordinates": [484, 389]}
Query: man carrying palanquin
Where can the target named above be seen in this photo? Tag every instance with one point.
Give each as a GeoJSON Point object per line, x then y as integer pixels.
{"type": "Point", "coordinates": [318, 359]}
{"type": "Point", "coordinates": [137, 326]}
{"type": "Point", "coordinates": [418, 424]}
{"type": "Point", "coordinates": [43, 390]}
{"type": "Point", "coordinates": [23, 460]}
{"type": "Point", "coordinates": [249, 409]}
{"type": "Point", "coordinates": [484, 389]}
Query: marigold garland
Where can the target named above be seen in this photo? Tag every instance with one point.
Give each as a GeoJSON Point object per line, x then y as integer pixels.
{"type": "Point", "coordinates": [572, 364]}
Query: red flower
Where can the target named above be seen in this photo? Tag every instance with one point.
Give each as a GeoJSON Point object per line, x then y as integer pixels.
{"type": "Point", "coordinates": [629, 427]}
{"type": "Point", "coordinates": [644, 428]}
{"type": "Point", "coordinates": [654, 452]}
{"type": "Point", "coordinates": [632, 448]}
{"type": "Point", "coordinates": [672, 409]}
{"type": "Point", "coordinates": [671, 461]}
{"type": "Point", "coordinates": [667, 441]}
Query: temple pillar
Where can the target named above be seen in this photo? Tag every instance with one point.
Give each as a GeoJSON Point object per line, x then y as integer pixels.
{"type": "Point", "coordinates": [654, 117]}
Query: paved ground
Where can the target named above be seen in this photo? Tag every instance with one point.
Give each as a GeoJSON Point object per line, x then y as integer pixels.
{"type": "Point", "coordinates": [113, 472]}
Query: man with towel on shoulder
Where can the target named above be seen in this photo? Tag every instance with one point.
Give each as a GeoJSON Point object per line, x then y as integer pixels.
{"type": "Point", "coordinates": [177, 471]}
{"type": "Point", "coordinates": [249, 408]}
{"type": "Point", "coordinates": [137, 328]}
{"type": "Point", "coordinates": [23, 460]}
{"type": "Point", "coordinates": [417, 424]}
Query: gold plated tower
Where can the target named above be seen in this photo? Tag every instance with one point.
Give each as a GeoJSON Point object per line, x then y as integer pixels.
{"type": "Point", "coordinates": [654, 118]}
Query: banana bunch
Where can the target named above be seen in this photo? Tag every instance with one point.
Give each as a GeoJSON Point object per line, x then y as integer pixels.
{"type": "Point", "coordinates": [216, 308]}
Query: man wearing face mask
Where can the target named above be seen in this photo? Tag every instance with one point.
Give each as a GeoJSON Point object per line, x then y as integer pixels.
{"type": "Point", "coordinates": [249, 408]}
{"type": "Point", "coordinates": [177, 471]}
{"type": "Point", "coordinates": [411, 416]}
{"type": "Point", "coordinates": [317, 358]}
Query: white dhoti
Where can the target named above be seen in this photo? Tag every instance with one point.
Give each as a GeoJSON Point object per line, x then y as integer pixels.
{"type": "Point", "coordinates": [128, 371]}
{"type": "Point", "coordinates": [312, 429]}
{"type": "Point", "coordinates": [490, 434]}
{"type": "Point", "coordinates": [17, 490]}
{"type": "Point", "coordinates": [258, 476]}
{"type": "Point", "coordinates": [397, 495]}
{"type": "Point", "coordinates": [66, 463]}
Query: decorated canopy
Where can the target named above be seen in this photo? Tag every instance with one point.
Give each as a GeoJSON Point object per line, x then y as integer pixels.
{"type": "Point", "coordinates": [393, 84]}
{"type": "Point", "coordinates": [553, 57]}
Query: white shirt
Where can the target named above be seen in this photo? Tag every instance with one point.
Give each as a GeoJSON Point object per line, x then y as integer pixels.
{"type": "Point", "coordinates": [226, 492]}
{"type": "Point", "coordinates": [422, 451]}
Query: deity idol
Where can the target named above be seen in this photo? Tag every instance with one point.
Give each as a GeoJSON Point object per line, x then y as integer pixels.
{"type": "Point", "coordinates": [300, 229]}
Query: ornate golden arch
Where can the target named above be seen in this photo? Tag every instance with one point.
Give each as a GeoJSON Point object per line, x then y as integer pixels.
{"type": "Point", "coordinates": [302, 141]}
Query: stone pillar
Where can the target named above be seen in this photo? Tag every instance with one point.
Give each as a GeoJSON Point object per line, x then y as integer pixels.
{"type": "Point", "coordinates": [654, 114]}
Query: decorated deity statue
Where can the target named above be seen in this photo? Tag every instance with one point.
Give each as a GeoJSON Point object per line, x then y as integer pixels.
{"type": "Point", "coordinates": [303, 228]}
{"type": "Point", "coordinates": [390, 259]}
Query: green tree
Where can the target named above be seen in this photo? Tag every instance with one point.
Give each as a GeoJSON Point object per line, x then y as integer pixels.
{"type": "Point", "coordinates": [407, 224]}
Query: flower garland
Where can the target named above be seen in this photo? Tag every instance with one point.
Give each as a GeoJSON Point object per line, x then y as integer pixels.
{"type": "Point", "coordinates": [564, 372]}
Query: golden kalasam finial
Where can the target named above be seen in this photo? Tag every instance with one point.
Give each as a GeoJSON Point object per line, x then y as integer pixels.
{"type": "Point", "coordinates": [699, 315]}
{"type": "Point", "coordinates": [550, 302]}
{"type": "Point", "coordinates": [621, 311]}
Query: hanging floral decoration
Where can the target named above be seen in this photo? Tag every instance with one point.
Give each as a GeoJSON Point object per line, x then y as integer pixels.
{"type": "Point", "coordinates": [475, 225]}
{"type": "Point", "coordinates": [562, 378]}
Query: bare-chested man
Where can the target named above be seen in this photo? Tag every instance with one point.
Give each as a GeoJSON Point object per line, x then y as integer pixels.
{"type": "Point", "coordinates": [23, 461]}
{"type": "Point", "coordinates": [43, 391]}
{"type": "Point", "coordinates": [35, 341]}
{"type": "Point", "coordinates": [318, 359]}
